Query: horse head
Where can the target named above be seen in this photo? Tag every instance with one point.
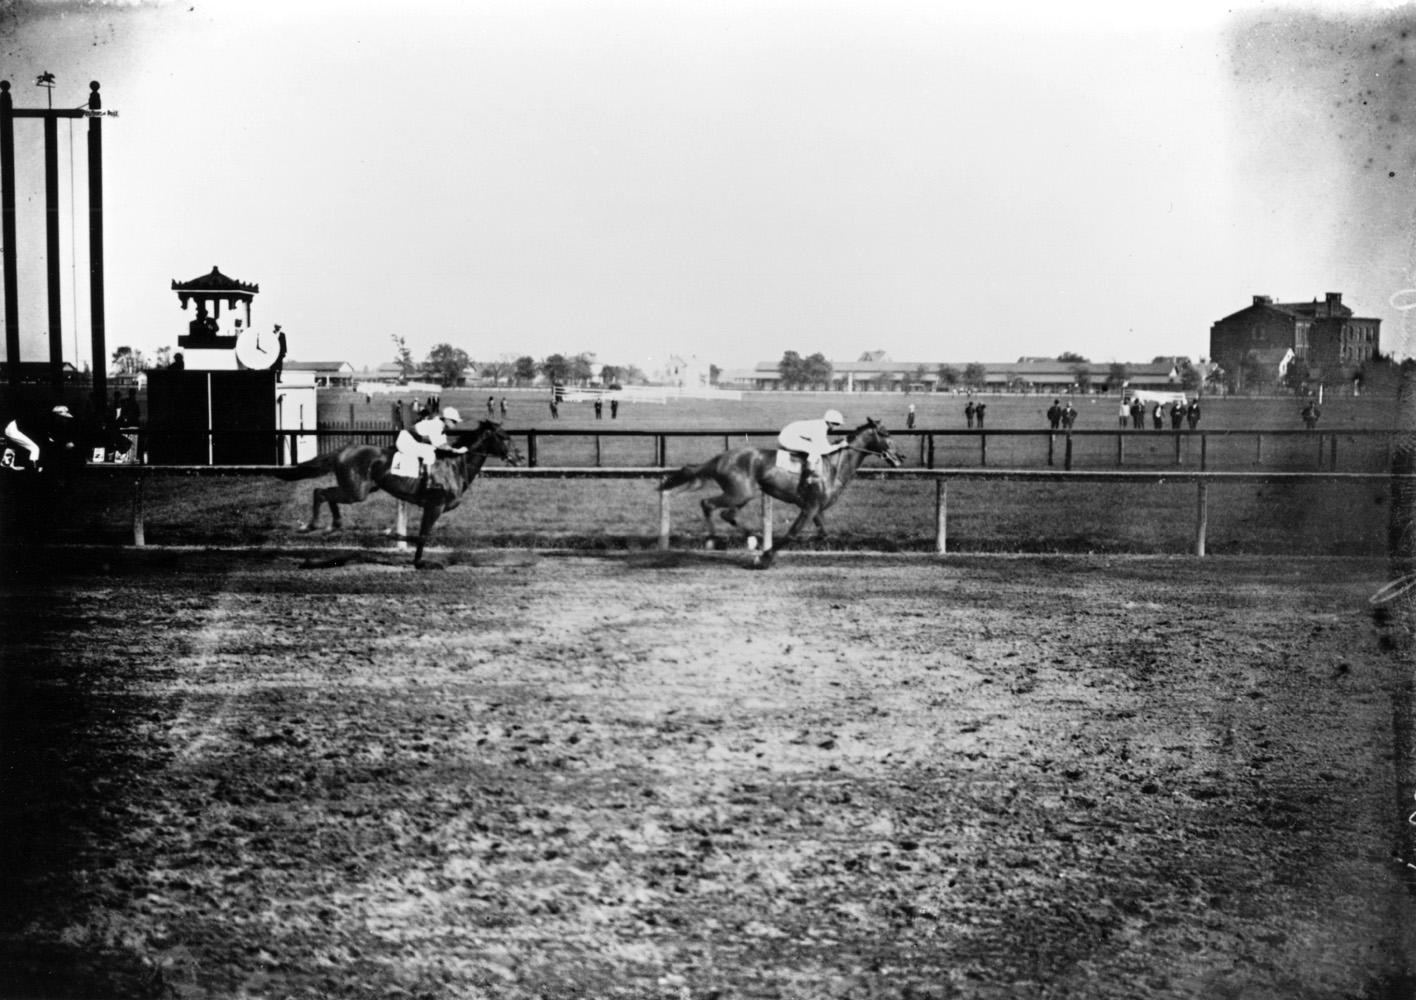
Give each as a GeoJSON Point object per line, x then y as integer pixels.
{"type": "Point", "coordinates": [490, 438]}
{"type": "Point", "coordinates": [872, 438]}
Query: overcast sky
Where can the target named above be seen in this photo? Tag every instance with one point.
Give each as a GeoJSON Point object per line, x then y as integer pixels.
{"type": "Point", "coordinates": [728, 179]}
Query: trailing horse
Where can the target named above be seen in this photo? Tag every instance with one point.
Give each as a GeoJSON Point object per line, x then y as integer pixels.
{"type": "Point", "coordinates": [361, 469]}
{"type": "Point", "coordinates": [29, 496]}
{"type": "Point", "coordinates": [746, 473]}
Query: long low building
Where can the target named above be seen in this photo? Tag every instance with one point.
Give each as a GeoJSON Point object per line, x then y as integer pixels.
{"type": "Point", "coordinates": [1039, 375]}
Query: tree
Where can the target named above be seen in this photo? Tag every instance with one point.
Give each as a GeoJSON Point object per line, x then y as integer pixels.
{"type": "Point", "coordinates": [582, 368]}
{"type": "Point", "coordinates": [447, 365]}
{"type": "Point", "coordinates": [612, 375]}
{"type": "Point", "coordinates": [403, 358]}
{"type": "Point", "coordinates": [556, 367]}
{"type": "Point", "coordinates": [974, 375]}
{"type": "Point", "coordinates": [816, 370]}
{"type": "Point", "coordinates": [502, 368]}
{"type": "Point", "coordinates": [524, 369]}
{"type": "Point", "coordinates": [1073, 356]}
{"type": "Point", "coordinates": [1189, 376]}
{"type": "Point", "coordinates": [948, 376]}
{"type": "Point", "coordinates": [164, 357]}
{"type": "Point", "coordinates": [1082, 374]}
{"type": "Point", "coordinates": [918, 377]}
{"type": "Point", "coordinates": [1117, 375]}
{"type": "Point", "coordinates": [714, 373]}
{"type": "Point", "coordinates": [790, 368]}
{"type": "Point", "coordinates": [127, 361]}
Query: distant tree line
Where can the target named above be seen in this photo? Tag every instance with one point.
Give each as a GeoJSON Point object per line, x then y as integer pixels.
{"type": "Point", "coordinates": [448, 365]}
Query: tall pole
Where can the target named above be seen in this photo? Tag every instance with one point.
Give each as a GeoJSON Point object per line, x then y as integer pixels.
{"type": "Point", "coordinates": [51, 254]}
{"type": "Point", "coordinates": [7, 235]}
{"type": "Point", "coordinates": [96, 314]}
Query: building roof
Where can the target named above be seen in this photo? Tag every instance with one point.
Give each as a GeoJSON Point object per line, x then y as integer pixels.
{"type": "Point", "coordinates": [318, 366]}
{"type": "Point", "coordinates": [214, 286]}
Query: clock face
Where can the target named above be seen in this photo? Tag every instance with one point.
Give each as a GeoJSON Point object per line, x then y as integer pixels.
{"type": "Point", "coordinates": [255, 351]}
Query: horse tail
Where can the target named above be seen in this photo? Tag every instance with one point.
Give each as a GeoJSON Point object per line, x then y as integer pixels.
{"type": "Point", "coordinates": [317, 466]}
{"type": "Point", "coordinates": [691, 476]}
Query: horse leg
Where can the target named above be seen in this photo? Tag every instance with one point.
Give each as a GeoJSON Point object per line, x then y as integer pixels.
{"type": "Point", "coordinates": [317, 498]}
{"type": "Point", "coordinates": [431, 513]}
{"type": "Point", "coordinates": [820, 526]}
{"type": "Point", "coordinates": [765, 559]}
{"type": "Point", "coordinates": [728, 504]}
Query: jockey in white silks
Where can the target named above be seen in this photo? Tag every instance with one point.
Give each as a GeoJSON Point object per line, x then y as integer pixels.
{"type": "Point", "coordinates": [427, 436]}
{"type": "Point", "coordinates": [812, 440]}
{"type": "Point", "coordinates": [18, 437]}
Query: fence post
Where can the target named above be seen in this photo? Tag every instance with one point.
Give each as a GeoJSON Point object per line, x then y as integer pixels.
{"type": "Point", "coordinates": [598, 462]}
{"type": "Point", "coordinates": [1260, 439]}
{"type": "Point", "coordinates": [1177, 447]}
{"type": "Point", "coordinates": [1067, 457]}
{"type": "Point", "coordinates": [138, 538]}
{"type": "Point", "coordinates": [941, 516]}
{"type": "Point", "coordinates": [1051, 445]}
{"type": "Point", "coordinates": [1204, 448]}
{"type": "Point", "coordinates": [531, 449]}
{"type": "Point", "coordinates": [931, 451]}
{"type": "Point", "coordinates": [1332, 451]}
{"type": "Point", "coordinates": [400, 527]}
{"type": "Point", "coordinates": [663, 520]}
{"type": "Point", "coordinates": [1120, 449]}
{"type": "Point", "coordinates": [1201, 517]}
{"type": "Point", "coordinates": [982, 448]}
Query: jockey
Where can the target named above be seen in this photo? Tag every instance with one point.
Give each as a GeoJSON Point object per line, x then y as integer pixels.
{"type": "Point", "coordinates": [426, 437]}
{"type": "Point", "coordinates": [20, 435]}
{"type": "Point", "coordinates": [810, 441]}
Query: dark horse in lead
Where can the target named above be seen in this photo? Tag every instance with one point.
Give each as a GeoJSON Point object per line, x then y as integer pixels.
{"type": "Point", "coordinates": [745, 473]}
{"type": "Point", "coordinates": [362, 469]}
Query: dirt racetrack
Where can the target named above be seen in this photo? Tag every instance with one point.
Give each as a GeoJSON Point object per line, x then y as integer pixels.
{"type": "Point", "coordinates": [658, 775]}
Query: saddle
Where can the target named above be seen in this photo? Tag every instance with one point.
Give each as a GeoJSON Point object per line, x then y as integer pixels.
{"type": "Point", "coordinates": [404, 464]}
{"type": "Point", "coordinates": [791, 461]}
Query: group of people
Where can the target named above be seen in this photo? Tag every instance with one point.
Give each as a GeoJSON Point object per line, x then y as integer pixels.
{"type": "Point", "coordinates": [1179, 412]}
{"type": "Point", "coordinates": [1061, 417]}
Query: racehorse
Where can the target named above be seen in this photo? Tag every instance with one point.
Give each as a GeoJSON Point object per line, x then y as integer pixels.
{"type": "Point", "coordinates": [361, 469]}
{"type": "Point", "coordinates": [745, 473]}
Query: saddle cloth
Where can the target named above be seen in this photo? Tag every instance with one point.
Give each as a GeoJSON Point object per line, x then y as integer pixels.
{"type": "Point", "coordinates": [788, 461]}
{"type": "Point", "coordinates": [404, 464]}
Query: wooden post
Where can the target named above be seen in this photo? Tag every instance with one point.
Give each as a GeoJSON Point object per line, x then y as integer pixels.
{"type": "Point", "coordinates": [531, 449]}
{"type": "Point", "coordinates": [598, 462]}
{"type": "Point", "coordinates": [1332, 452]}
{"type": "Point", "coordinates": [1204, 448]}
{"type": "Point", "coordinates": [941, 516]}
{"type": "Point", "coordinates": [139, 539]}
{"type": "Point", "coordinates": [982, 448]}
{"type": "Point", "coordinates": [931, 451]}
{"type": "Point", "coordinates": [766, 522]}
{"type": "Point", "coordinates": [1177, 447]}
{"type": "Point", "coordinates": [400, 527]}
{"type": "Point", "coordinates": [664, 520]}
{"type": "Point", "coordinates": [1067, 457]}
{"type": "Point", "coordinates": [1201, 517]}
{"type": "Point", "coordinates": [1051, 446]}
{"type": "Point", "coordinates": [1260, 459]}
{"type": "Point", "coordinates": [1120, 449]}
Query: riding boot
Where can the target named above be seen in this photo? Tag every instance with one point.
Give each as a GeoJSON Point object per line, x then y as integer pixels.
{"type": "Point", "coordinates": [422, 477]}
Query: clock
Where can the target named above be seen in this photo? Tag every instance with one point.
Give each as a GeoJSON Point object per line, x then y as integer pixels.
{"type": "Point", "coordinates": [255, 351]}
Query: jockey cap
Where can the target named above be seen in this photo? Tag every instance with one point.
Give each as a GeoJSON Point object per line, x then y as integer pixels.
{"type": "Point", "coordinates": [451, 416]}
{"type": "Point", "coordinates": [834, 418]}
{"type": "Point", "coordinates": [62, 411]}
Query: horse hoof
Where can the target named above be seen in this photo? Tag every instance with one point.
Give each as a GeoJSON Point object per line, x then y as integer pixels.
{"type": "Point", "coordinates": [305, 529]}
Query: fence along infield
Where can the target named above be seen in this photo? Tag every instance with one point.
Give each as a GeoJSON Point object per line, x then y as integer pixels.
{"type": "Point", "coordinates": [137, 475]}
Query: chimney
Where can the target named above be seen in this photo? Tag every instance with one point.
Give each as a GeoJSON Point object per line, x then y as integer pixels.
{"type": "Point", "coordinates": [1334, 302]}
{"type": "Point", "coordinates": [1263, 300]}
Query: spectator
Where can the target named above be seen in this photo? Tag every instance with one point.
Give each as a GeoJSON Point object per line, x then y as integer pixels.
{"type": "Point", "coordinates": [129, 413]}
{"type": "Point", "coordinates": [614, 408]}
{"type": "Point", "coordinates": [978, 413]}
{"type": "Point", "coordinates": [491, 406]}
{"type": "Point", "coordinates": [1069, 416]}
{"type": "Point", "coordinates": [1054, 414]}
{"type": "Point", "coordinates": [599, 408]}
{"type": "Point", "coordinates": [503, 408]}
{"type": "Point", "coordinates": [555, 408]}
{"type": "Point", "coordinates": [178, 364]}
{"type": "Point", "coordinates": [910, 418]}
{"type": "Point", "coordinates": [1157, 417]}
{"type": "Point", "coordinates": [1177, 414]}
{"type": "Point", "coordinates": [969, 410]}
{"type": "Point", "coordinates": [1138, 415]}
{"type": "Point", "coordinates": [1125, 413]}
{"type": "Point", "coordinates": [1192, 413]}
{"type": "Point", "coordinates": [1310, 415]}
{"type": "Point", "coordinates": [279, 365]}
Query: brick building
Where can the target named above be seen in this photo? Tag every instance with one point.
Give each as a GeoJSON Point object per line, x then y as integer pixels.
{"type": "Point", "coordinates": [1319, 333]}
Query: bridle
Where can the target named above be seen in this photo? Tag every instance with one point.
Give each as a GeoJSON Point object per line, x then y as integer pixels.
{"type": "Point", "coordinates": [887, 452]}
